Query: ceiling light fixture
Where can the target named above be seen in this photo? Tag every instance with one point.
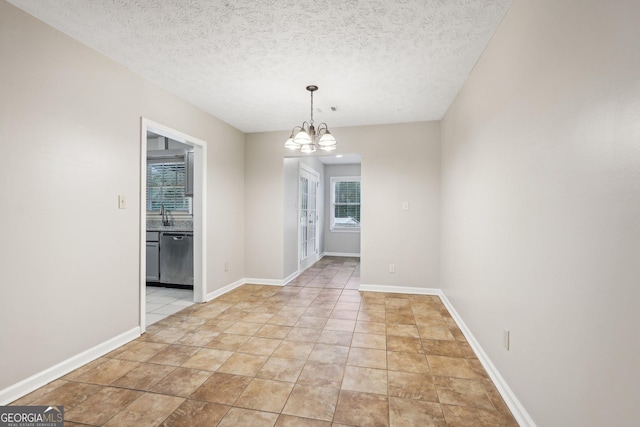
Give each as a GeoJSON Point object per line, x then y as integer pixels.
{"type": "Point", "coordinates": [306, 139]}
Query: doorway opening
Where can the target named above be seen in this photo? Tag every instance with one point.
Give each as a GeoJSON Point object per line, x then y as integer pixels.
{"type": "Point", "coordinates": [186, 226]}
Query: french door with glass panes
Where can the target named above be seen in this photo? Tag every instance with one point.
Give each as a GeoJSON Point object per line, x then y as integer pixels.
{"type": "Point", "coordinates": [308, 213]}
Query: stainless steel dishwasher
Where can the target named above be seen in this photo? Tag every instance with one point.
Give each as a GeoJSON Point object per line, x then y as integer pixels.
{"type": "Point", "coordinates": [176, 258]}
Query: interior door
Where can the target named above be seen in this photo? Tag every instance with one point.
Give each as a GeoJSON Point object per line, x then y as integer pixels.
{"type": "Point", "coordinates": [309, 182]}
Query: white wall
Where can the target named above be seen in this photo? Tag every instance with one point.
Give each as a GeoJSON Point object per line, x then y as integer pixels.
{"type": "Point", "coordinates": [341, 242]}
{"type": "Point", "coordinates": [70, 130]}
{"type": "Point", "coordinates": [541, 208]}
{"type": "Point", "coordinates": [400, 162]}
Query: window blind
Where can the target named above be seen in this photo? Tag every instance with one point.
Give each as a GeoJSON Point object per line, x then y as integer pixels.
{"type": "Point", "coordinates": [166, 184]}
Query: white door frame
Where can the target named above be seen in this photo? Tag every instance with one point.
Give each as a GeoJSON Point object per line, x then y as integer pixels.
{"type": "Point", "coordinates": [199, 211]}
{"type": "Point", "coordinates": [316, 174]}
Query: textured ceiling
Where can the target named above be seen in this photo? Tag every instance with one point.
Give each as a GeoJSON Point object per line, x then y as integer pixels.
{"type": "Point", "coordinates": [248, 62]}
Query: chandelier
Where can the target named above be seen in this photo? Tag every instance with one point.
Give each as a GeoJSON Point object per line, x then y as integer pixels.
{"type": "Point", "coordinates": [306, 138]}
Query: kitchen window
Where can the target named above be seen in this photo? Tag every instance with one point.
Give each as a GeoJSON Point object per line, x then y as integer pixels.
{"type": "Point", "coordinates": [166, 185]}
{"type": "Point", "coordinates": [345, 203]}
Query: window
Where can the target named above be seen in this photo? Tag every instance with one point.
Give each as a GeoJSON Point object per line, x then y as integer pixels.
{"type": "Point", "coordinates": [166, 184]}
{"type": "Point", "coordinates": [345, 203]}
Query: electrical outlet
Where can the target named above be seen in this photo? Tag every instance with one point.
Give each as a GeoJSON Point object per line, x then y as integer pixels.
{"type": "Point", "coordinates": [226, 266]}
{"type": "Point", "coordinates": [122, 202]}
{"type": "Point", "coordinates": [392, 268]}
{"type": "Point", "coordinates": [505, 338]}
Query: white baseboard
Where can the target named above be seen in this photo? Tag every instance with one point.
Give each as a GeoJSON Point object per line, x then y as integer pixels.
{"type": "Point", "coordinates": [42, 378]}
{"type": "Point", "coordinates": [399, 290]}
{"type": "Point", "coordinates": [266, 282]}
{"type": "Point", "coordinates": [519, 412]}
{"type": "Point", "coordinates": [224, 290]}
{"type": "Point", "coordinates": [290, 278]}
{"type": "Point", "coordinates": [344, 254]}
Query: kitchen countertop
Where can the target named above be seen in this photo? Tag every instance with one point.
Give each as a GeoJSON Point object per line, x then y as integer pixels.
{"type": "Point", "coordinates": [176, 226]}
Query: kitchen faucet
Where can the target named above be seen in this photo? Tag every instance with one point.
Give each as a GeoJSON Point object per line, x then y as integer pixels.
{"type": "Point", "coordinates": [164, 214]}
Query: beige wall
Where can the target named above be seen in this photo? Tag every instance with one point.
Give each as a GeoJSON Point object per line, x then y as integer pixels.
{"type": "Point", "coordinates": [70, 137]}
{"type": "Point", "coordinates": [541, 208]}
{"type": "Point", "coordinates": [400, 162]}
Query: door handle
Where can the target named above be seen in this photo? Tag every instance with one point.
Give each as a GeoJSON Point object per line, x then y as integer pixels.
{"type": "Point", "coordinates": [178, 237]}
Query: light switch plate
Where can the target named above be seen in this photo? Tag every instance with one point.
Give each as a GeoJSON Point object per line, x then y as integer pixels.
{"type": "Point", "coordinates": [405, 206]}
{"type": "Point", "coordinates": [122, 202]}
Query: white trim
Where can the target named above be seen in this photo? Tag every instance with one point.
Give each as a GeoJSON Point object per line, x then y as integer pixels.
{"type": "Point", "coordinates": [199, 208]}
{"type": "Point", "coordinates": [517, 409]}
{"type": "Point", "coordinates": [291, 276]}
{"type": "Point", "coordinates": [400, 290]}
{"type": "Point", "coordinates": [266, 282]}
{"type": "Point", "coordinates": [224, 290]}
{"type": "Point", "coordinates": [345, 254]}
{"type": "Point", "coordinates": [42, 378]}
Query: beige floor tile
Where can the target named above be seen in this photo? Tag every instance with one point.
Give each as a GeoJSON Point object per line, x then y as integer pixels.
{"type": "Point", "coordinates": [378, 342]}
{"type": "Point", "coordinates": [273, 331]}
{"type": "Point", "coordinates": [258, 345]}
{"type": "Point", "coordinates": [102, 406]}
{"type": "Point", "coordinates": [461, 392]}
{"type": "Point", "coordinates": [281, 369]}
{"type": "Point", "coordinates": [366, 380]}
{"type": "Point", "coordinates": [195, 413]}
{"type": "Point", "coordinates": [148, 410]}
{"type": "Point", "coordinates": [335, 337]}
{"type": "Point", "coordinates": [265, 395]}
{"type": "Point", "coordinates": [304, 334]}
{"type": "Point", "coordinates": [362, 409]}
{"type": "Point", "coordinates": [291, 421]}
{"type": "Point", "coordinates": [181, 382]}
{"type": "Point", "coordinates": [329, 353]}
{"type": "Point", "coordinates": [435, 333]}
{"type": "Point", "coordinates": [451, 367]}
{"type": "Point", "coordinates": [174, 355]}
{"type": "Point", "coordinates": [312, 402]}
{"type": "Point", "coordinates": [243, 364]}
{"type": "Point", "coordinates": [367, 357]}
{"type": "Point", "coordinates": [407, 362]}
{"type": "Point", "coordinates": [404, 344]}
{"type": "Point", "coordinates": [465, 416]}
{"type": "Point", "coordinates": [340, 325]}
{"type": "Point", "coordinates": [442, 348]}
{"type": "Point", "coordinates": [143, 377]}
{"type": "Point", "coordinates": [197, 338]}
{"type": "Point", "coordinates": [402, 331]}
{"type": "Point", "coordinates": [311, 322]}
{"type": "Point", "coordinates": [366, 327]}
{"type": "Point", "coordinates": [142, 351]}
{"type": "Point", "coordinates": [68, 395]}
{"type": "Point", "coordinates": [415, 413]}
{"type": "Point", "coordinates": [108, 372]}
{"type": "Point", "coordinates": [227, 342]}
{"type": "Point", "coordinates": [294, 350]}
{"type": "Point", "coordinates": [221, 388]}
{"type": "Point", "coordinates": [247, 417]}
{"type": "Point", "coordinates": [408, 385]}
{"type": "Point", "coordinates": [168, 335]}
{"type": "Point", "coordinates": [244, 328]}
{"type": "Point", "coordinates": [322, 374]}
{"type": "Point", "coordinates": [208, 359]}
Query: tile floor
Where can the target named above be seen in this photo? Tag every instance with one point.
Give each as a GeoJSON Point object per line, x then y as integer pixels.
{"type": "Point", "coordinates": [163, 302]}
{"type": "Point", "coordinates": [316, 352]}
